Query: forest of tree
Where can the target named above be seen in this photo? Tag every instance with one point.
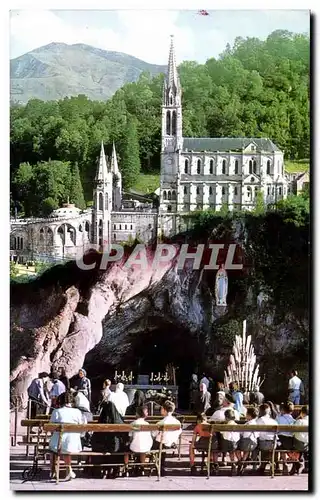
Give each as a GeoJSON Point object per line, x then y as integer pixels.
{"type": "Point", "coordinates": [255, 89]}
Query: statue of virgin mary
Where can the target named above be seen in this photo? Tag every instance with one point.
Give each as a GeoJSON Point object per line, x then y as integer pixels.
{"type": "Point", "coordinates": [221, 288]}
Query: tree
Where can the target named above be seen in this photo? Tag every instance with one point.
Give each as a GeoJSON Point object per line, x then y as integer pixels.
{"type": "Point", "coordinates": [259, 204]}
{"type": "Point", "coordinates": [130, 154]}
{"type": "Point", "coordinates": [76, 191]}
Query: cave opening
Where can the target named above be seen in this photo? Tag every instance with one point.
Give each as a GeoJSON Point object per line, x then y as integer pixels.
{"type": "Point", "coordinates": [159, 344]}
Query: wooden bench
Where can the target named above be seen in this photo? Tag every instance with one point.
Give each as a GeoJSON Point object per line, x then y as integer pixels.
{"type": "Point", "coordinates": [213, 428]}
{"type": "Point", "coordinates": [155, 455]}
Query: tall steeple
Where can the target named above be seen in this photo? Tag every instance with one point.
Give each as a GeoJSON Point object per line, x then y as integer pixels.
{"type": "Point", "coordinates": [102, 171]}
{"type": "Point", "coordinates": [117, 181]}
{"type": "Point", "coordinates": [172, 76]}
{"type": "Point", "coordinates": [172, 88]}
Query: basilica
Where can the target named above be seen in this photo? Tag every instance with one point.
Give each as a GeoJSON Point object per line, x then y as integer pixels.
{"type": "Point", "coordinates": [195, 174]}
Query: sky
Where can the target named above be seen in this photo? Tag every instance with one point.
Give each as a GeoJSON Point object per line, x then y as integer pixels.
{"type": "Point", "coordinates": [146, 33]}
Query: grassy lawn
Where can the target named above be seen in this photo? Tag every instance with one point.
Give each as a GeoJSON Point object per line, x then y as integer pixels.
{"type": "Point", "coordinates": [296, 165]}
{"type": "Point", "coordinates": [147, 183]}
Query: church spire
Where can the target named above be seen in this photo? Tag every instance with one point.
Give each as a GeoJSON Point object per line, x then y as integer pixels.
{"type": "Point", "coordinates": [114, 161]}
{"type": "Point", "coordinates": [102, 169]}
{"type": "Point", "coordinates": [172, 77]}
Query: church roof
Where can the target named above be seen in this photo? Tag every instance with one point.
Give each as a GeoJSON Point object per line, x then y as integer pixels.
{"type": "Point", "coordinates": [224, 144]}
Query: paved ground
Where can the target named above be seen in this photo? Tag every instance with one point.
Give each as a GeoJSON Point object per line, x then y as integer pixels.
{"type": "Point", "coordinates": [178, 478]}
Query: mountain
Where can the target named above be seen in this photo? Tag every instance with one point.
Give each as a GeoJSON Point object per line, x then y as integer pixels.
{"type": "Point", "coordinates": [58, 70]}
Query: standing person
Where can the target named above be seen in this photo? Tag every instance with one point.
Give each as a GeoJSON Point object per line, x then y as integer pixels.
{"type": "Point", "coordinates": [170, 438]}
{"type": "Point", "coordinates": [105, 393]}
{"type": "Point", "coordinates": [57, 389]}
{"type": "Point", "coordinates": [83, 384]}
{"type": "Point", "coordinates": [266, 439]}
{"type": "Point", "coordinates": [141, 442]}
{"type": "Point", "coordinates": [193, 391]}
{"type": "Point", "coordinates": [70, 441]}
{"type": "Point", "coordinates": [120, 399]}
{"type": "Point", "coordinates": [295, 388]}
{"type": "Point", "coordinates": [205, 380]}
{"type": "Point", "coordinates": [37, 394]}
{"type": "Point", "coordinates": [203, 400]}
{"type": "Point", "coordinates": [63, 377]}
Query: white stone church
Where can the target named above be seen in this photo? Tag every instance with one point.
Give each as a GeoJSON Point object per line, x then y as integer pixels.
{"type": "Point", "coordinates": [196, 174]}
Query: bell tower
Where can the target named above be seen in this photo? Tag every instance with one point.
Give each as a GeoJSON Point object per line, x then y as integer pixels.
{"type": "Point", "coordinates": [102, 203]}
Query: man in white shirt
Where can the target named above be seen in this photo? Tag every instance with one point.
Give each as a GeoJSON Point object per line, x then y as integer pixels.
{"type": "Point", "coordinates": [295, 388]}
{"type": "Point", "coordinates": [141, 442]}
{"type": "Point", "coordinates": [170, 438]}
{"type": "Point", "coordinates": [266, 438]}
{"type": "Point", "coordinates": [227, 404]}
{"type": "Point", "coordinates": [301, 441]}
{"type": "Point", "coordinates": [120, 399]}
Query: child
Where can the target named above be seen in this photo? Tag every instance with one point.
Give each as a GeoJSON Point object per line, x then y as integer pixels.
{"type": "Point", "coordinates": [141, 442]}
{"type": "Point", "coordinates": [170, 438]}
{"type": "Point", "coordinates": [230, 439]}
{"type": "Point", "coordinates": [201, 444]}
{"type": "Point", "coordinates": [249, 440]}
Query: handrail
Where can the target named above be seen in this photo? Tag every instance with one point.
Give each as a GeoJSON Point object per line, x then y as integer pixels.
{"type": "Point", "coordinates": [108, 427]}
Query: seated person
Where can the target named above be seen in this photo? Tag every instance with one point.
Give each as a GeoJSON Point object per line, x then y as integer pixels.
{"type": "Point", "coordinates": [248, 440]}
{"type": "Point", "coordinates": [111, 442]}
{"type": "Point", "coordinates": [301, 441]}
{"type": "Point", "coordinates": [227, 404]}
{"type": "Point", "coordinates": [285, 438]}
{"type": "Point", "coordinates": [266, 439]}
{"type": "Point", "coordinates": [141, 442]}
{"type": "Point", "coordinates": [200, 440]}
{"type": "Point", "coordinates": [230, 439]}
{"type": "Point", "coordinates": [170, 438]}
{"type": "Point", "coordinates": [70, 442]}
{"type": "Point", "coordinates": [138, 401]}
{"type": "Point", "coordinates": [82, 403]}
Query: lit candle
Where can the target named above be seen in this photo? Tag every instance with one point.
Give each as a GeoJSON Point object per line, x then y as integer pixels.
{"type": "Point", "coordinates": [116, 374]}
{"type": "Point", "coordinates": [130, 374]}
{"type": "Point", "coordinates": [158, 375]}
{"type": "Point", "coordinates": [123, 374]}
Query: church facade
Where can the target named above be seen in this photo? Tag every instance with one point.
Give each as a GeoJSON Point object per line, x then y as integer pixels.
{"type": "Point", "coordinates": [196, 174]}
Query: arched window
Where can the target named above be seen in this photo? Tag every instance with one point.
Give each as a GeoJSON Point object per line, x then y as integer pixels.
{"type": "Point", "coordinates": [211, 166]}
{"type": "Point", "coordinates": [279, 193]}
{"type": "Point", "coordinates": [174, 196]}
{"type": "Point", "coordinates": [174, 123]}
{"type": "Point", "coordinates": [120, 227]}
{"type": "Point", "coordinates": [268, 167]}
{"type": "Point", "coordinates": [171, 100]}
{"type": "Point", "coordinates": [131, 226]}
{"type": "Point", "coordinates": [87, 226]}
{"type": "Point", "coordinates": [236, 167]}
{"type": "Point", "coordinates": [169, 208]}
{"type": "Point", "coordinates": [224, 165]}
{"type": "Point", "coordinates": [198, 190]}
{"type": "Point", "coordinates": [249, 193]}
{"type": "Point", "coordinates": [114, 227]}
{"type": "Point", "coordinates": [168, 123]}
{"type": "Point", "coordinates": [254, 166]}
{"type": "Point", "coordinates": [199, 167]}
{"type": "Point", "coordinates": [107, 200]}
{"type": "Point", "coordinates": [250, 167]}
{"type": "Point", "coordinates": [185, 190]}
{"type": "Point", "coordinates": [100, 201]}
{"type": "Point", "coordinates": [114, 237]}
{"type": "Point", "coordinates": [164, 195]}
{"type": "Point", "coordinates": [21, 239]}
{"type": "Point", "coordinates": [169, 195]}
{"type": "Point", "coordinates": [223, 190]}
{"type": "Point", "coordinates": [186, 166]}
{"type": "Point", "coordinates": [268, 190]}
{"type": "Point", "coordinates": [256, 190]}
{"type": "Point", "coordinates": [210, 190]}
{"type": "Point", "coordinates": [236, 191]}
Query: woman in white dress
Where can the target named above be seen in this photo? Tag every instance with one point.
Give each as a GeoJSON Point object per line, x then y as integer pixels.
{"type": "Point", "coordinates": [70, 441]}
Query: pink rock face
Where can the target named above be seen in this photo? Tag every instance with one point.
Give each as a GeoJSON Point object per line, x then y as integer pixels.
{"type": "Point", "coordinates": [55, 326]}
